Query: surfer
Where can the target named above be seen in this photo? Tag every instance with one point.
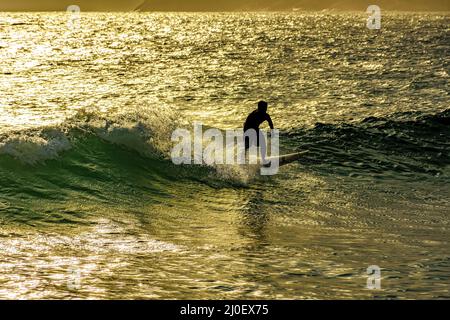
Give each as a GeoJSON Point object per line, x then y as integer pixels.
{"type": "Point", "coordinates": [254, 120]}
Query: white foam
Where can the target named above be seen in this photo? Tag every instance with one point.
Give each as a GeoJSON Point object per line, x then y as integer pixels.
{"type": "Point", "coordinates": [141, 129]}
{"type": "Point", "coordinates": [30, 148]}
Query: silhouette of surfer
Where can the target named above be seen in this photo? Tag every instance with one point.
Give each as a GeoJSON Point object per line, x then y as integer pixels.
{"type": "Point", "coordinates": [254, 120]}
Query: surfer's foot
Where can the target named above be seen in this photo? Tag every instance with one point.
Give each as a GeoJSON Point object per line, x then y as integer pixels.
{"type": "Point", "coordinates": [266, 163]}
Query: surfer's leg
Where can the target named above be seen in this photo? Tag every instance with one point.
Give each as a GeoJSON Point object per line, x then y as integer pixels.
{"type": "Point", "coordinates": [251, 145]}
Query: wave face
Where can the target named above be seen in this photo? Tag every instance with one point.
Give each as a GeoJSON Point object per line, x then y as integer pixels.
{"type": "Point", "coordinates": [96, 155]}
{"type": "Point", "coordinates": [129, 153]}
{"type": "Point", "coordinates": [406, 144]}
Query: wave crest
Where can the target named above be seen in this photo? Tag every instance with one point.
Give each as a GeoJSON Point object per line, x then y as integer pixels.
{"type": "Point", "coordinates": [145, 130]}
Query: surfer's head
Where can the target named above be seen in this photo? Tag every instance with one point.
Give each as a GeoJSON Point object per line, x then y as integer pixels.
{"type": "Point", "coordinates": [262, 106]}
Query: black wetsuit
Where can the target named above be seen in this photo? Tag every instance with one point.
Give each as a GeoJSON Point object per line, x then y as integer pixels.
{"type": "Point", "coordinates": [254, 120]}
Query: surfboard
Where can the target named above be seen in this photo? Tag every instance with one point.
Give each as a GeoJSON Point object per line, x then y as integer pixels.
{"type": "Point", "coordinates": [286, 159]}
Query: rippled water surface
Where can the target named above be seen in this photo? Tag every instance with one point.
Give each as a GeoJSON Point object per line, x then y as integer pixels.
{"type": "Point", "coordinates": [92, 207]}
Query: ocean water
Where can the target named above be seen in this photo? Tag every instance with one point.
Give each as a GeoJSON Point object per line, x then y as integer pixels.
{"type": "Point", "coordinates": [92, 207]}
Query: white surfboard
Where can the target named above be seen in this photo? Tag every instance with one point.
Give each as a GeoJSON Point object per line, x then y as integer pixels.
{"type": "Point", "coordinates": [286, 159]}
